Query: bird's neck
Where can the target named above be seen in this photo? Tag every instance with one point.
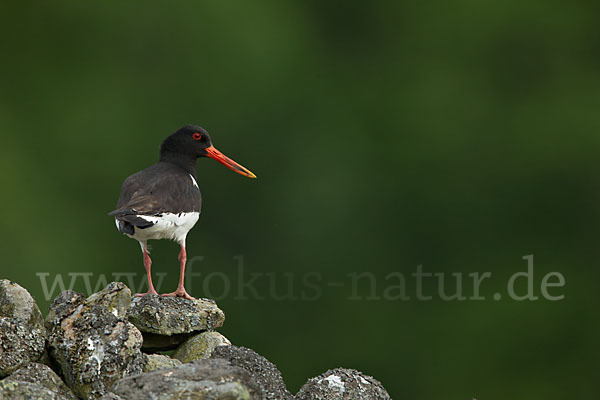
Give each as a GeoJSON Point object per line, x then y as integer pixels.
{"type": "Point", "coordinates": [184, 161]}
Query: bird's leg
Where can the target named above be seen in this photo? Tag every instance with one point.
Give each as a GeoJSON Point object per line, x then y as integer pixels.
{"type": "Point", "coordinates": [180, 292]}
{"type": "Point", "coordinates": [147, 265]}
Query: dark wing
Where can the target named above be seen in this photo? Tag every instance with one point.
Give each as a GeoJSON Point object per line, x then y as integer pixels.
{"type": "Point", "coordinates": [157, 189]}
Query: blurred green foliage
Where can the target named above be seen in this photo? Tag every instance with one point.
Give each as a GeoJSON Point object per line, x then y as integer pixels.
{"type": "Point", "coordinates": [458, 135]}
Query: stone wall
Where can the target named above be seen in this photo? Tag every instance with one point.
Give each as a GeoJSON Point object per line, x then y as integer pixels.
{"type": "Point", "coordinates": [112, 347]}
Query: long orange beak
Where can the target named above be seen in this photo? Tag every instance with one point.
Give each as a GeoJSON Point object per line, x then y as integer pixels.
{"type": "Point", "coordinates": [228, 162]}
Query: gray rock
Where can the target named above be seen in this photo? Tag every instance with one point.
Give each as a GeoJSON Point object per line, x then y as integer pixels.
{"type": "Point", "coordinates": [92, 342]}
{"type": "Point", "coordinates": [42, 375]}
{"type": "Point", "coordinates": [22, 333]}
{"type": "Point", "coordinates": [203, 379]}
{"type": "Point", "coordinates": [111, 396]}
{"type": "Point", "coordinates": [17, 303]}
{"type": "Point", "coordinates": [116, 297]}
{"type": "Point", "coordinates": [15, 390]}
{"type": "Point", "coordinates": [160, 361]}
{"type": "Point", "coordinates": [62, 306]}
{"type": "Point", "coordinates": [200, 346]}
{"type": "Point", "coordinates": [265, 373]}
{"type": "Point", "coordinates": [19, 345]}
{"type": "Point", "coordinates": [342, 384]}
{"type": "Point", "coordinates": [174, 315]}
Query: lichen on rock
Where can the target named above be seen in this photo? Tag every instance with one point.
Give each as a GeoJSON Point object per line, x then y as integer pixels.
{"type": "Point", "coordinates": [116, 297]}
{"type": "Point", "coordinates": [169, 316]}
{"type": "Point", "coordinates": [203, 379]}
{"type": "Point", "coordinates": [17, 303]}
{"type": "Point", "coordinates": [342, 384]}
{"type": "Point", "coordinates": [16, 390]}
{"type": "Point", "coordinates": [62, 306]}
{"type": "Point", "coordinates": [93, 342]}
{"type": "Point", "coordinates": [22, 333]}
{"type": "Point", "coordinates": [264, 372]}
{"type": "Point", "coordinates": [94, 345]}
{"type": "Point", "coordinates": [40, 374]}
{"type": "Point", "coordinates": [19, 345]}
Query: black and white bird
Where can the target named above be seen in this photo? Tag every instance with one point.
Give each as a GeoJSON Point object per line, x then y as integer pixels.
{"type": "Point", "coordinates": [163, 201]}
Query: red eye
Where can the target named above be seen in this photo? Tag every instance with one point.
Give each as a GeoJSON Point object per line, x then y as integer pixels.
{"type": "Point", "coordinates": [197, 136]}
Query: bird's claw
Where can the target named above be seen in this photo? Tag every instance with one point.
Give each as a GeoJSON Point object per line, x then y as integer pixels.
{"type": "Point", "coordinates": [179, 293]}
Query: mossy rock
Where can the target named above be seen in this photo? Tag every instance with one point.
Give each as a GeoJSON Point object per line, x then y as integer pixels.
{"type": "Point", "coordinates": [200, 346]}
{"type": "Point", "coordinates": [157, 362]}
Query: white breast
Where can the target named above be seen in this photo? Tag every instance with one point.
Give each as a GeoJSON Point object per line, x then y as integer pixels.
{"type": "Point", "coordinates": [167, 226]}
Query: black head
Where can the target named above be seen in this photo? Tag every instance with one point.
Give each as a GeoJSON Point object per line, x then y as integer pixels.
{"type": "Point", "coordinates": [192, 142]}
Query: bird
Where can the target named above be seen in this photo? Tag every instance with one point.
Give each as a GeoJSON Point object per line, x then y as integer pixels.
{"type": "Point", "coordinates": [164, 201]}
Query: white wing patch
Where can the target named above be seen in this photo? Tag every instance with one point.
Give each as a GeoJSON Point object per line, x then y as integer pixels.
{"type": "Point", "coordinates": [167, 226]}
{"type": "Point", "coordinates": [194, 181]}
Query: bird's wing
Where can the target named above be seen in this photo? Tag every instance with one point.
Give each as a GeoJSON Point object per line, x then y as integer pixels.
{"type": "Point", "coordinates": [150, 193]}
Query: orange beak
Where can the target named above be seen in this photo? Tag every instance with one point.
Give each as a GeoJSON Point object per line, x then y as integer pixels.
{"type": "Point", "coordinates": [228, 162]}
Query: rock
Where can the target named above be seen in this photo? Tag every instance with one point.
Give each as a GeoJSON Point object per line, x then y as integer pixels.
{"type": "Point", "coordinates": [159, 361]}
{"type": "Point", "coordinates": [49, 362]}
{"type": "Point", "coordinates": [42, 375]}
{"type": "Point", "coordinates": [17, 303]}
{"type": "Point", "coordinates": [22, 333]}
{"type": "Point", "coordinates": [174, 315]}
{"type": "Point", "coordinates": [266, 375]}
{"type": "Point", "coordinates": [16, 390]}
{"type": "Point", "coordinates": [62, 306]}
{"type": "Point", "coordinates": [19, 345]}
{"type": "Point", "coordinates": [92, 342]}
{"type": "Point", "coordinates": [95, 345]}
{"type": "Point", "coordinates": [116, 297]}
{"type": "Point", "coordinates": [200, 346]}
{"type": "Point", "coordinates": [111, 396]}
{"type": "Point", "coordinates": [342, 384]}
{"type": "Point", "coordinates": [202, 379]}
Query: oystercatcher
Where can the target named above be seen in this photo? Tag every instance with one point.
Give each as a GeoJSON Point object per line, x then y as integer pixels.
{"type": "Point", "coordinates": [163, 201]}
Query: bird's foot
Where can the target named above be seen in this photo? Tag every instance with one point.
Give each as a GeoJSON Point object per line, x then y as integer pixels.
{"type": "Point", "coordinates": [180, 292]}
{"type": "Point", "coordinates": [152, 291]}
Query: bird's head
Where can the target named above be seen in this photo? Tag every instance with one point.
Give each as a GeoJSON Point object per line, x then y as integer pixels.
{"type": "Point", "coordinates": [194, 141]}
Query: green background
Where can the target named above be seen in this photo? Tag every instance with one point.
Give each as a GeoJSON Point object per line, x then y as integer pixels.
{"type": "Point", "coordinates": [459, 135]}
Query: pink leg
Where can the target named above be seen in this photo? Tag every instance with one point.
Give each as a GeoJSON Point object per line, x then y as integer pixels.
{"type": "Point", "coordinates": [180, 292]}
{"type": "Point", "coordinates": [147, 265]}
